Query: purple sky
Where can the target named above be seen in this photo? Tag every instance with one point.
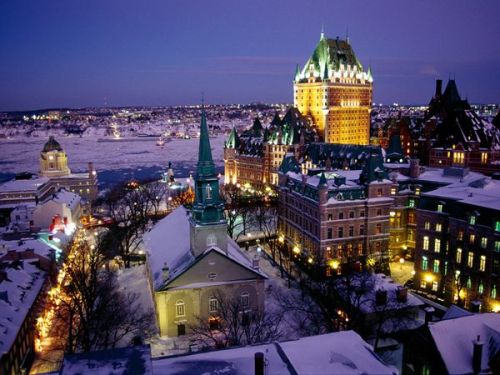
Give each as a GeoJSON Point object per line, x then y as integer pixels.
{"type": "Point", "coordinates": [77, 53]}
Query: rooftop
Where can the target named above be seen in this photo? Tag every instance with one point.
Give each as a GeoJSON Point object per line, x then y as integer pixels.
{"type": "Point", "coordinates": [23, 185]}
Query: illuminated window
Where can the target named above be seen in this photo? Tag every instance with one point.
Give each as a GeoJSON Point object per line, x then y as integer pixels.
{"type": "Point", "coordinates": [180, 308]}
{"type": "Point", "coordinates": [213, 305]}
{"type": "Point", "coordinates": [435, 268]}
{"type": "Point", "coordinates": [484, 157]}
{"type": "Point", "coordinates": [423, 284]}
{"type": "Point", "coordinates": [458, 157]}
{"type": "Point", "coordinates": [472, 220]}
{"type": "Point", "coordinates": [469, 283]}
{"type": "Point", "coordinates": [434, 286]}
{"type": "Point", "coordinates": [393, 191]}
{"type": "Point", "coordinates": [411, 203]}
{"type": "Point", "coordinates": [425, 245]}
{"type": "Point", "coordinates": [497, 226]}
{"type": "Point", "coordinates": [425, 263]}
{"type": "Point", "coordinates": [459, 255]}
{"type": "Point", "coordinates": [460, 235]}
{"type": "Point", "coordinates": [470, 259]}
{"type": "Point", "coordinates": [427, 225]}
{"type": "Point", "coordinates": [439, 207]}
{"type": "Point", "coordinates": [472, 238]}
{"type": "Point", "coordinates": [497, 246]}
{"type": "Point", "coordinates": [438, 227]}
{"type": "Point", "coordinates": [482, 263]}
{"type": "Point", "coordinates": [437, 245]}
{"type": "Point", "coordinates": [494, 292]}
{"type": "Point", "coordinates": [484, 242]}
{"type": "Point", "coordinates": [480, 289]}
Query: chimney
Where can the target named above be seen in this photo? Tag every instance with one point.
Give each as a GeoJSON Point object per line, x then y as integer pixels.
{"type": "Point", "coordinates": [165, 271]}
{"type": "Point", "coordinates": [414, 168]}
{"type": "Point", "coordinates": [259, 363]}
{"type": "Point", "coordinates": [402, 294]}
{"type": "Point", "coordinates": [439, 87]}
{"type": "Point", "coordinates": [477, 355]}
{"type": "Point", "coordinates": [255, 262]}
{"type": "Point", "coordinates": [429, 312]}
{"type": "Point", "coordinates": [381, 297]}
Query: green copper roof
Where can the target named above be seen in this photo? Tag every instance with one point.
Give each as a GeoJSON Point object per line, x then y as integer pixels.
{"type": "Point", "coordinates": [374, 169]}
{"type": "Point", "coordinates": [328, 55]}
{"type": "Point", "coordinates": [233, 141]}
{"type": "Point", "coordinates": [205, 166]}
{"type": "Point", "coordinates": [52, 145]}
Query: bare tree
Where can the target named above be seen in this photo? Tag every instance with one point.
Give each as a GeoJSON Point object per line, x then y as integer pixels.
{"type": "Point", "coordinates": [237, 325]}
{"type": "Point", "coordinates": [93, 312]}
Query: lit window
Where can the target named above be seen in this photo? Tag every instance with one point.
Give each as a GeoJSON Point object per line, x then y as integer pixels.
{"type": "Point", "coordinates": [494, 292]}
{"type": "Point", "coordinates": [484, 242]}
{"type": "Point", "coordinates": [423, 284]}
{"type": "Point", "coordinates": [213, 305]}
{"type": "Point", "coordinates": [425, 245]}
{"type": "Point", "coordinates": [440, 208]}
{"type": "Point", "coordinates": [427, 225]}
{"type": "Point", "coordinates": [434, 286]}
{"type": "Point", "coordinates": [484, 157]}
{"type": "Point", "coordinates": [425, 263]}
{"type": "Point", "coordinates": [472, 220]}
{"type": "Point", "coordinates": [482, 263]}
{"type": "Point", "coordinates": [436, 266]}
{"type": "Point", "coordinates": [480, 289]}
{"type": "Point", "coordinates": [497, 246]}
{"type": "Point", "coordinates": [180, 308]}
{"type": "Point", "coordinates": [470, 259]}
{"type": "Point", "coordinates": [472, 238]}
{"type": "Point", "coordinates": [438, 227]}
{"type": "Point", "coordinates": [497, 226]}
{"type": "Point", "coordinates": [411, 203]}
{"type": "Point", "coordinates": [437, 245]}
{"type": "Point", "coordinates": [459, 255]}
{"type": "Point", "coordinates": [469, 283]}
{"type": "Point", "coordinates": [393, 191]}
{"type": "Point", "coordinates": [460, 235]}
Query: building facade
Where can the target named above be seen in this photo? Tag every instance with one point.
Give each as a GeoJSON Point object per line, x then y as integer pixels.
{"type": "Point", "coordinates": [333, 217]}
{"type": "Point", "coordinates": [253, 157]}
{"type": "Point", "coordinates": [457, 253]}
{"type": "Point", "coordinates": [336, 92]}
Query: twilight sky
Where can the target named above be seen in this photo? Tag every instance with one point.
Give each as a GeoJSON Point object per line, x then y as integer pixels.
{"type": "Point", "coordinates": [83, 53]}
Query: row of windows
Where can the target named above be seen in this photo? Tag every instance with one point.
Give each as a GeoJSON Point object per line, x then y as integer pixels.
{"type": "Point", "coordinates": [213, 305]}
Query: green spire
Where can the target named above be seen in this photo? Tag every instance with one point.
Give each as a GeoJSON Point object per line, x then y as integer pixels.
{"type": "Point", "coordinates": [233, 141]}
{"type": "Point", "coordinates": [205, 166]}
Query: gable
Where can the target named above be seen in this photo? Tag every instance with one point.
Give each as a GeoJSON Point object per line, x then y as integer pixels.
{"type": "Point", "coordinates": [212, 267]}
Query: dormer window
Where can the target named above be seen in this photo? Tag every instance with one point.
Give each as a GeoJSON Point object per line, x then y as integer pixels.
{"type": "Point", "coordinates": [472, 220]}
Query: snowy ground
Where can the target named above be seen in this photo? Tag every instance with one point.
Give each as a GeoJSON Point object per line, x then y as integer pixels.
{"type": "Point", "coordinates": [23, 154]}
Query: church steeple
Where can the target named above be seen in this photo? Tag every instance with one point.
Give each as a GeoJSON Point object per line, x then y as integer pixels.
{"type": "Point", "coordinates": [208, 227]}
{"type": "Point", "coordinates": [207, 208]}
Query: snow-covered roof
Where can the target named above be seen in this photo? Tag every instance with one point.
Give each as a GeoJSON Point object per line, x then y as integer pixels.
{"type": "Point", "coordinates": [454, 337]}
{"type": "Point", "coordinates": [71, 200]}
{"type": "Point", "coordinates": [474, 192]}
{"type": "Point", "coordinates": [334, 353]}
{"type": "Point", "coordinates": [38, 247]}
{"type": "Point", "coordinates": [23, 185]}
{"type": "Point", "coordinates": [130, 360]}
{"type": "Point", "coordinates": [18, 292]}
{"type": "Point", "coordinates": [168, 242]}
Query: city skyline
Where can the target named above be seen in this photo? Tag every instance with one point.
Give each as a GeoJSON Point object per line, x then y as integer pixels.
{"type": "Point", "coordinates": [120, 54]}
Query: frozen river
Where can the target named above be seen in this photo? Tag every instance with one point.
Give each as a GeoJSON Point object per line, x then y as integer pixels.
{"type": "Point", "coordinates": [114, 160]}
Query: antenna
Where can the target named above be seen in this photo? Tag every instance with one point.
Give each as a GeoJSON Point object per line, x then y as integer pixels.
{"type": "Point", "coordinates": [202, 99]}
{"type": "Point", "coordinates": [347, 34]}
{"type": "Point", "coordinates": [322, 31]}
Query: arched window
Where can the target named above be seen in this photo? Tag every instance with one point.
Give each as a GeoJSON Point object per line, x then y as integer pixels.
{"type": "Point", "coordinates": [180, 308]}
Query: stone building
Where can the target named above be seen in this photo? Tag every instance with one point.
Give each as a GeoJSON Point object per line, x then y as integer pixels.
{"type": "Point", "coordinates": [332, 217]}
{"type": "Point", "coordinates": [336, 92]}
{"type": "Point", "coordinates": [192, 260]}
{"type": "Point", "coordinates": [253, 157]}
{"type": "Point", "coordinates": [457, 253]}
